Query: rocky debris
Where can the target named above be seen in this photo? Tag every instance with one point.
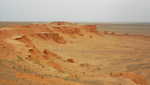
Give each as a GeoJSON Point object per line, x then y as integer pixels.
{"type": "Point", "coordinates": [44, 35]}
{"type": "Point", "coordinates": [51, 54]}
{"type": "Point", "coordinates": [28, 57]}
{"type": "Point", "coordinates": [71, 60]}
{"type": "Point", "coordinates": [53, 36]}
{"type": "Point", "coordinates": [57, 38]}
{"type": "Point", "coordinates": [25, 39]}
{"type": "Point", "coordinates": [70, 30]}
{"type": "Point", "coordinates": [46, 52]}
{"type": "Point", "coordinates": [18, 37]}
{"type": "Point", "coordinates": [33, 44]}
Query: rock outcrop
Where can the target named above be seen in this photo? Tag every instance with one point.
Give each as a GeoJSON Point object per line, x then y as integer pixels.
{"type": "Point", "coordinates": [45, 54]}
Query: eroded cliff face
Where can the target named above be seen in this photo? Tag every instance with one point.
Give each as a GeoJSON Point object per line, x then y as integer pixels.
{"type": "Point", "coordinates": [73, 54]}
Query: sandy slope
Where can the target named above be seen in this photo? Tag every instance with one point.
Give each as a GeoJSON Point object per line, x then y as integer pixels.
{"type": "Point", "coordinates": [62, 53]}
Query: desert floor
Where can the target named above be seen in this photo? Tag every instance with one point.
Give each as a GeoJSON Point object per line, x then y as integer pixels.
{"type": "Point", "coordinates": [62, 53]}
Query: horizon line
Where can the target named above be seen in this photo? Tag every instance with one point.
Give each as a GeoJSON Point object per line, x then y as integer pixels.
{"type": "Point", "coordinates": [121, 22]}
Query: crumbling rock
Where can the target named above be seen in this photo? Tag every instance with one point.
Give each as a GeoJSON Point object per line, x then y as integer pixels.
{"type": "Point", "coordinates": [53, 36]}
{"type": "Point", "coordinates": [71, 60]}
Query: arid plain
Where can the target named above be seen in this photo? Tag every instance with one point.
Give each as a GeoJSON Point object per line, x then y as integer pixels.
{"type": "Point", "coordinates": [63, 53]}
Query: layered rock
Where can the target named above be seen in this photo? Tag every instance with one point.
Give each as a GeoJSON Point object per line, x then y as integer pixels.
{"type": "Point", "coordinates": [45, 49]}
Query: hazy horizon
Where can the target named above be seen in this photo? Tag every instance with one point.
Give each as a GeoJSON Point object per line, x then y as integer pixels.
{"type": "Point", "coordinates": [76, 22]}
{"type": "Point", "coordinates": [114, 11]}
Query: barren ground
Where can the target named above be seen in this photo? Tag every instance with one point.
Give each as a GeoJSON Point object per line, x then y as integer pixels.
{"type": "Point", "coordinates": [63, 53]}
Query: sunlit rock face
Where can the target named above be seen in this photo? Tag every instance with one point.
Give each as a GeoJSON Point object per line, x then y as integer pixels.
{"type": "Point", "coordinates": [73, 54]}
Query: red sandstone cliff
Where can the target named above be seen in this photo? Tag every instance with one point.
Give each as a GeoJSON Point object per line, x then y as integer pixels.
{"type": "Point", "coordinates": [46, 49]}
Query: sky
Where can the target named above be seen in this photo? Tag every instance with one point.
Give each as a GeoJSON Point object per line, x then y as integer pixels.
{"type": "Point", "coordinates": [75, 10]}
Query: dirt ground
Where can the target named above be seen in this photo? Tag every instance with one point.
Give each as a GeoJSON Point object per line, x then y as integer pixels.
{"type": "Point", "coordinates": [63, 53]}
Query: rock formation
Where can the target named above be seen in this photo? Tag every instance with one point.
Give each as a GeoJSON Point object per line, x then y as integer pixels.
{"type": "Point", "coordinates": [64, 53]}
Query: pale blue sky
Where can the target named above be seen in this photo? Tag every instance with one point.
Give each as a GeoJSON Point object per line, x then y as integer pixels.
{"type": "Point", "coordinates": [75, 10]}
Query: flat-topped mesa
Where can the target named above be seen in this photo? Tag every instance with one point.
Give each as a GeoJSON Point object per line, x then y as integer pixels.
{"type": "Point", "coordinates": [28, 26]}
{"type": "Point", "coordinates": [67, 29]}
{"type": "Point", "coordinates": [91, 28]}
{"type": "Point", "coordinates": [62, 23]}
{"type": "Point", "coordinates": [72, 28]}
{"type": "Point", "coordinates": [53, 31]}
{"type": "Point", "coordinates": [35, 27]}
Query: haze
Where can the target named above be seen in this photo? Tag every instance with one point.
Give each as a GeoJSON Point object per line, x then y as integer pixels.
{"type": "Point", "coordinates": [75, 10]}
